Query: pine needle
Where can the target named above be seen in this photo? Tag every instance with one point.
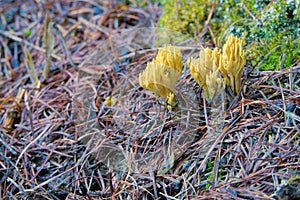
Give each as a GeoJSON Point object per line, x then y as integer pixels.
{"type": "Point", "coordinates": [30, 67]}
{"type": "Point", "coordinates": [48, 37]}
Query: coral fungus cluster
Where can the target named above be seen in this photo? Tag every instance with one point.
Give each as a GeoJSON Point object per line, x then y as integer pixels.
{"type": "Point", "coordinates": [213, 70]}
{"type": "Point", "coordinates": [160, 75]}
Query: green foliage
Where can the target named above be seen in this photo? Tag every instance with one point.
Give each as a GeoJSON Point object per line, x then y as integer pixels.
{"type": "Point", "coordinates": [210, 172]}
{"type": "Point", "coordinates": [186, 16]}
{"type": "Point", "coordinates": [27, 32]}
{"type": "Point", "coordinates": [210, 168]}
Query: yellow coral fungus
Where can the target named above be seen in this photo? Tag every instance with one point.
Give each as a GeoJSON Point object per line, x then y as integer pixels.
{"type": "Point", "coordinates": [110, 101]}
{"type": "Point", "coordinates": [214, 82]}
{"type": "Point", "coordinates": [171, 101]}
{"type": "Point", "coordinates": [205, 70]}
{"type": "Point", "coordinates": [232, 63]}
{"type": "Point", "coordinates": [160, 75]}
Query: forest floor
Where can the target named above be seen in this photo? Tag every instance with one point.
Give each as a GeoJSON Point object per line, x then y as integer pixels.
{"type": "Point", "coordinates": [75, 123]}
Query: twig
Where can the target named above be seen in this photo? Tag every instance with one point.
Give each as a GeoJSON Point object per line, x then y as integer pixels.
{"type": "Point", "coordinates": [16, 38]}
{"type": "Point", "coordinates": [31, 143]}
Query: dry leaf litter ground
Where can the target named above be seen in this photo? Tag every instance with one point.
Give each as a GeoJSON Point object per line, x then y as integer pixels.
{"type": "Point", "coordinates": [47, 155]}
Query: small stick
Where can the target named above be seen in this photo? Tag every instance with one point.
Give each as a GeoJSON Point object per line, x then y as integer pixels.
{"type": "Point", "coordinates": [16, 38]}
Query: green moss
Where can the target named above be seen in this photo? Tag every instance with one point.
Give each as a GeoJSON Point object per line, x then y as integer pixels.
{"type": "Point", "coordinates": [270, 30]}
{"type": "Point", "coordinates": [142, 3]}
{"type": "Point", "coordinates": [184, 16]}
{"type": "Point", "coordinates": [277, 53]}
